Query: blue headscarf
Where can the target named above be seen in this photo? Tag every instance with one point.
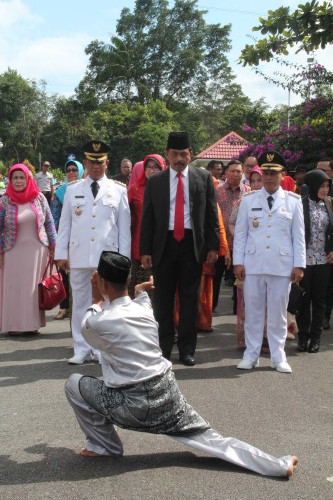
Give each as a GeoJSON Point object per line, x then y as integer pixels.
{"type": "Point", "coordinates": [60, 192]}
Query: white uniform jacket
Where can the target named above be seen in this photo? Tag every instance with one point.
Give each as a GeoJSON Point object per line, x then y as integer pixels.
{"type": "Point", "coordinates": [270, 241]}
{"type": "Point", "coordinates": [90, 225]}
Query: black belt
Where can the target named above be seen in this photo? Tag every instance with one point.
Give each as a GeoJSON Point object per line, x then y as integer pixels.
{"type": "Point", "coordinates": [185, 230]}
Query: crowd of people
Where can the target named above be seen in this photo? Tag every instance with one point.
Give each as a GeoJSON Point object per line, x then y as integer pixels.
{"type": "Point", "coordinates": [180, 229]}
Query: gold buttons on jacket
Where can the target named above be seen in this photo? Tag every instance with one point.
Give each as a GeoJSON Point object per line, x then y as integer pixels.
{"type": "Point", "coordinates": [92, 239]}
{"type": "Point", "coordinates": [267, 246]}
{"type": "Point", "coordinates": [93, 227]}
{"type": "Point", "coordinates": [93, 215]}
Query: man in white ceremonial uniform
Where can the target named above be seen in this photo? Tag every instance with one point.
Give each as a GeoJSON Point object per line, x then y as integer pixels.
{"type": "Point", "coordinates": [95, 217]}
{"type": "Point", "coordinates": [269, 254]}
{"type": "Point", "coordinates": [139, 390]}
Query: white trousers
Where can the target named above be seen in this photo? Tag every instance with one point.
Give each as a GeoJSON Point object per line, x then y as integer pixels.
{"type": "Point", "coordinates": [102, 438]}
{"type": "Point", "coordinates": [82, 299]}
{"type": "Point", "coordinates": [265, 292]}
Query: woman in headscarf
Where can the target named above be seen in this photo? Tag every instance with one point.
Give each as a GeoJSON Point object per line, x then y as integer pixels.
{"type": "Point", "coordinates": [27, 239]}
{"type": "Point", "coordinates": [152, 164]}
{"type": "Point", "coordinates": [318, 220]}
{"type": "Point", "coordinates": [74, 171]}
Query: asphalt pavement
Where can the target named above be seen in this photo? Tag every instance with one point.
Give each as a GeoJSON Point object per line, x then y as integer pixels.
{"type": "Point", "coordinates": [279, 413]}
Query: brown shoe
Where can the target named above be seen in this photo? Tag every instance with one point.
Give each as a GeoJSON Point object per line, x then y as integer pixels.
{"type": "Point", "coordinates": [15, 334]}
{"type": "Point", "coordinates": [62, 314]}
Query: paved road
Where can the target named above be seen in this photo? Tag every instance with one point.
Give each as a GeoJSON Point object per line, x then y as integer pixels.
{"type": "Point", "coordinates": [279, 413]}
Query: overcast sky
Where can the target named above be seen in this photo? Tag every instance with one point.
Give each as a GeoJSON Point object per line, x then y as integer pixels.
{"type": "Point", "coordinates": [45, 40]}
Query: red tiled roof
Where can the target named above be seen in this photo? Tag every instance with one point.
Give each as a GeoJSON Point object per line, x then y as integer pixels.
{"type": "Point", "coordinates": [227, 147]}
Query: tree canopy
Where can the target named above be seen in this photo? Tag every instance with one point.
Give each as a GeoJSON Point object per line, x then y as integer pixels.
{"type": "Point", "coordinates": [25, 109]}
{"type": "Point", "coordinates": [310, 26]}
{"type": "Point", "coordinates": [160, 52]}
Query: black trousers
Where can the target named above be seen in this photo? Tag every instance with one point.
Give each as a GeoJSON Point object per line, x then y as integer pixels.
{"type": "Point", "coordinates": [48, 196]}
{"type": "Point", "coordinates": [217, 279]}
{"type": "Point", "coordinates": [65, 303]}
{"type": "Point", "coordinates": [329, 295]}
{"type": "Point", "coordinates": [178, 268]}
{"type": "Point", "coordinates": [311, 314]}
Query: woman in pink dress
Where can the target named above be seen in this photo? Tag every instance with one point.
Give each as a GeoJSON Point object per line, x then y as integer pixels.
{"type": "Point", "coordinates": [27, 239]}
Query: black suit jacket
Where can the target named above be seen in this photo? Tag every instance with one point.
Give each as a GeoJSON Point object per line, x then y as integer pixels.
{"type": "Point", "coordinates": [155, 215]}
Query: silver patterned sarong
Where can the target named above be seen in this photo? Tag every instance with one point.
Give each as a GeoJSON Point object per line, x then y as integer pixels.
{"type": "Point", "coordinates": [155, 406]}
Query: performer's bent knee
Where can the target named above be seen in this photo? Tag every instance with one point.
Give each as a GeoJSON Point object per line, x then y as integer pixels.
{"type": "Point", "coordinates": [72, 384]}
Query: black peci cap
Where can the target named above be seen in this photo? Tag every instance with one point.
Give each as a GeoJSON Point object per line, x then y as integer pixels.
{"type": "Point", "coordinates": [114, 267]}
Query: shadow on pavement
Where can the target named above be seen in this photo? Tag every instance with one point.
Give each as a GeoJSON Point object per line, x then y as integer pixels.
{"type": "Point", "coordinates": [63, 464]}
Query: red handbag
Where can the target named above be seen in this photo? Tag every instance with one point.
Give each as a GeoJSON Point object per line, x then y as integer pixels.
{"type": "Point", "coordinates": [51, 290]}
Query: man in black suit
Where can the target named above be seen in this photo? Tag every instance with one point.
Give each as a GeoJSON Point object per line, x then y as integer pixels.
{"type": "Point", "coordinates": [179, 231]}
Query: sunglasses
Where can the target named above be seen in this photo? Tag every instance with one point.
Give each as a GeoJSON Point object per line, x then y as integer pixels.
{"type": "Point", "coordinates": [69, 170]}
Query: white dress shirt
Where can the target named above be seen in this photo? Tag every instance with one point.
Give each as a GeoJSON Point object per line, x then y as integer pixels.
{"type": "Point", "coordinates": [126, 334]}
{"type": "Point", "coordinates": [173, 192]}
{"type": "Point", "coordinates": [44, 181]}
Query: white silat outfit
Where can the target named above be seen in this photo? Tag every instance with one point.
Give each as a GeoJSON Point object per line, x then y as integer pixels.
{"type": "Point", "coordinates": [269, 243]}
{"type": "Point", "coordinates": [139, 391]}
{"type": "Point", "coordinates": [88, 226]}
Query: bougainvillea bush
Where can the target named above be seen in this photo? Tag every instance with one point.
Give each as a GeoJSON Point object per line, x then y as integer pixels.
{"type": "Point", "coordinates": [308, 138]}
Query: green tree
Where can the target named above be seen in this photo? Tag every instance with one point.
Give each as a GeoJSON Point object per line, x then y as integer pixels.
{"type": "Point", "coordinates": [131, 131]}
{"type": "Point", "coordinates": [25, 110]}
{"type": "Point", "coordinates": [310, 26]}
{"type": "Point", "coordinates": [158, 53]}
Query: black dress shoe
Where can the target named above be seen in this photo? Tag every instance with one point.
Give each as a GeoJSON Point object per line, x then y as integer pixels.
{"type": "Point", "coordinates": [187, 360]}
{"type": "Point", "coordinates": [313, 346]}
{"type": "Point", "coordinates": [302, 346]}
{"type": "Point", "coordinates": [326, 324]}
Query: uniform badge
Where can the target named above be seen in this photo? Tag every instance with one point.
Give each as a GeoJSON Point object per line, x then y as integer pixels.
{"type": "Point", "coordinates": [78, 211]}
{"type": "Point", "coordinates": [255, 223]}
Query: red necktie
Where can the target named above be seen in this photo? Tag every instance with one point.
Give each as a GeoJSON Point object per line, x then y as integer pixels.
{"type": "Point", "coordinates": [178, 232]}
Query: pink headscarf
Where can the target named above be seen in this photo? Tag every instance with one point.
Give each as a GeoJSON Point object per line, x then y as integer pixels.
{"type": "Point", "coordinates": [136, 174]}
{"type": "Point", "coordinates": [158, 159]}
{"type": "Point", "coordinates": [30, 192]}
{"type": "Point", "coordinates": [256, 169]}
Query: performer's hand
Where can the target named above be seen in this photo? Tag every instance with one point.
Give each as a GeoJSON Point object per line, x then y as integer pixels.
{"type": "Point", "coordinates": [95, 292]}
{"type": "Point", "coordinates": [146, 286]}
{"type": "Point", "coordinates": [211, 257]}
{"type": "Point", "coordinates": [239, 272]}
{"type": "Point", "coordinates": [146, 261]}
{"type": "Point", "coordinates": [227, 261]}
{"type": "Point", "coordinates": [330, 258]}
{"type": "Point", "coordinates": [63, 264]}
{"type": "Point", "coordinates": [296, 274]}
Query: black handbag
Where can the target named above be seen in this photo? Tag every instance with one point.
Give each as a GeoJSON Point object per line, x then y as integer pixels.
{"type": "Point", "coordinates": [296, 297]}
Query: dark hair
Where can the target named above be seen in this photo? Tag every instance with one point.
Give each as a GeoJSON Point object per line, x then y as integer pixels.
{"type": "Point", "coordinates": [212, 164]}
{"type": "Point", "coordinates": [233, 162]}
{"type": "Point", "coordinates": [326, 158]}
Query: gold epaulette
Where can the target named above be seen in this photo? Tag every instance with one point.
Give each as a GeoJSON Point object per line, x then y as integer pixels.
{"type": "Point", "coordinates": [248, 192]}
{"type": "Point", "coordinates": [294, 194]}
{"type": "Point", "coordinates": [120, 183]}
{"type": "Point", "coordinates": [73, 182]}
